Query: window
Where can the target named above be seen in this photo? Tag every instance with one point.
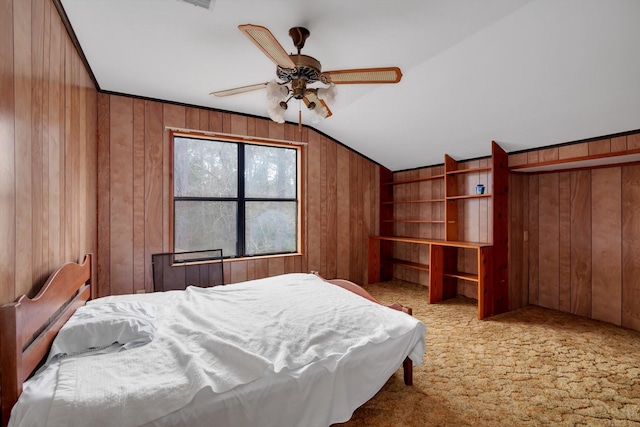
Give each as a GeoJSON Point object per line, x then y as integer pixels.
{"type": "Point", "coordinates": [237, 196]}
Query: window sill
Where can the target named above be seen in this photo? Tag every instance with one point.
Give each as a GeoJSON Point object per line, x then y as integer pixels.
{"type": "Point", "coordinates": [249, 258]}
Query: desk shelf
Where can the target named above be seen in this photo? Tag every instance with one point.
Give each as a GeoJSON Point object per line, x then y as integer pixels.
{"type": "Point", "coordinates": [440, 199]}
{"type": "Point", "coordinates": [410, 264]}
{"type": "Point", "coordinates": [441, 270]}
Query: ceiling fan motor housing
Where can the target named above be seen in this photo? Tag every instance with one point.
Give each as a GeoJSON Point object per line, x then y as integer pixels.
{"type": "Point", "coordinates": [307, 68]}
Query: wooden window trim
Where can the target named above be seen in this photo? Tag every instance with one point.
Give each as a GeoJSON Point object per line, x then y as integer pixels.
{"type": "Point", "coordinates": [301, 161]}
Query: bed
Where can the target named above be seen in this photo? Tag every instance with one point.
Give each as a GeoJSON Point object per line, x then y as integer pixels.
{"type": "Point", "coordinates": [292, 350]}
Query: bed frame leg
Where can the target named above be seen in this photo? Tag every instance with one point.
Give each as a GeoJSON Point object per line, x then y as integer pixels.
{"type": "Point", "coordinates": [408, 371]}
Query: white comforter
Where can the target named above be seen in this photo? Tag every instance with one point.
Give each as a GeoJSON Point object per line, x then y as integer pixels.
{"type": "Point", "coordinates": [220, 338]}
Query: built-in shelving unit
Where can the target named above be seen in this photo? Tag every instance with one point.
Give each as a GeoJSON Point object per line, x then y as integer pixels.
{"type": "Point", "coordinates": [490, 274]}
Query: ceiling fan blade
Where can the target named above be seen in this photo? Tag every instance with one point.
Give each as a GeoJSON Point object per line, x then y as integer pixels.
{"type": "Point", "coordinates": [268, 44]}
{"type": "Point", "coordinates": [236, 90]}
{"type": "Point", "coordinates": [362, 76]}
{"type": "Point", "coordinates": [311, 97]}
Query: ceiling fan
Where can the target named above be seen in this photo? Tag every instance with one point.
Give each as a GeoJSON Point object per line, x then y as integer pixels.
{"type": "Point", "coordinates": [297, 71]}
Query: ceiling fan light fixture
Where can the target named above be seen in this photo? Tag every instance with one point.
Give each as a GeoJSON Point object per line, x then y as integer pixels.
{"type": "Point", "coordinates": [276, 92]}
{"type": "Point", "coordinates": [328, 94]}
{"type": "Point", "coordinates": [318, 108]}
{"type": "Point", "coordinates": [318, 112]}
{"type": "Point", "coordinates": [276, 113]}
{"type": "Point", "coordinates": [276, 96]}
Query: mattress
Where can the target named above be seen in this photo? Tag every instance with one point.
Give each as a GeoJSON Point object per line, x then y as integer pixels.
{"type": "Point", "coordinates": [319, 393]}
{"type": "Point", "coordinates": [310, 396]}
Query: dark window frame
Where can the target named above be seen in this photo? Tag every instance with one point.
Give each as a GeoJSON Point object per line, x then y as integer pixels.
{"type": "Point", "coordinates": [240, 198]}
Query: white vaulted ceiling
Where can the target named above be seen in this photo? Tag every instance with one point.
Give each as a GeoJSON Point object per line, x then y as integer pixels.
{"type": "Point", "coordinates": [525, 73]}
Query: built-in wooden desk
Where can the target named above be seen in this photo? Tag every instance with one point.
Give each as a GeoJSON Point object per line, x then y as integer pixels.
{"type": "Point", "coordinates": [442, 269]}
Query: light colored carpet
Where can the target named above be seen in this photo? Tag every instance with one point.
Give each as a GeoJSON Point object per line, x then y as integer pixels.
{"type": "Point", "coordinates": [528, 367]}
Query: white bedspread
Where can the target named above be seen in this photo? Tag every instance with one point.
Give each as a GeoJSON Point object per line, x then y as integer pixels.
{"type": "Point", "coordinates": [220, 338]}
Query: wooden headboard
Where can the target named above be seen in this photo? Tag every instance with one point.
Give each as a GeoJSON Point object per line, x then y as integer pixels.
{"type": "Point", "coordinates": [30, 325]}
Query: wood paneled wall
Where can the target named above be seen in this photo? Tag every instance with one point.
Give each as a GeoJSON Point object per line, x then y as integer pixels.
{"type": "Point", "coordinates": [340, 195]}
{"type": "Point", "coordinates": [575, 235]}
{"type": "Point", "coordinates": [48, 148]}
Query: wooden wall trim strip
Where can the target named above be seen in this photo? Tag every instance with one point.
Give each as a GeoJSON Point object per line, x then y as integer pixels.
{"type": "Point", "coordinates": [575, 143]}
{"type": "Point", "coordinates": [231, 136]}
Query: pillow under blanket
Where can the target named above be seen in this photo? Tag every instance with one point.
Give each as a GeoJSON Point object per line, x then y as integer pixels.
{"type": "Point", "coordinates": [97, 327]}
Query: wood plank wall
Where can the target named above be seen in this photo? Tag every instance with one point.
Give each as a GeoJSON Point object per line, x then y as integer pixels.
{"type": "Point", "coordinates": [575, 234]}
{"type": "Point", "coordinates": [48, 145]}
{"type": "Point", "coordinates": [340, 191]}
